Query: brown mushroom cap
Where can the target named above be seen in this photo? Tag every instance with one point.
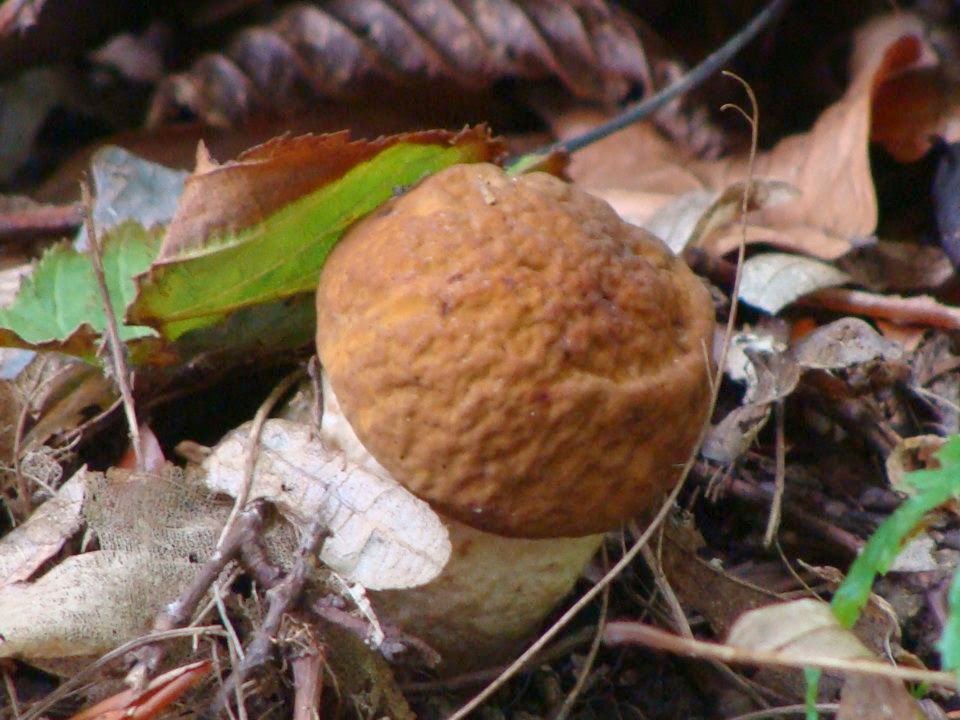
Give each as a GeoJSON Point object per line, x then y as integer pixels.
{"type": "Point", "coordinates": [515, 354]}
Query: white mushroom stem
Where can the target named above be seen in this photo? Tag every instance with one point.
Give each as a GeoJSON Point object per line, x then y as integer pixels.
{"type": "Point", "coordinates": [495, 591]}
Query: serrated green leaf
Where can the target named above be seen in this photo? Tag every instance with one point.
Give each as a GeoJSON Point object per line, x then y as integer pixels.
{"type": "Point", "coordinates": [59, 307]}
{"type": "Point", "coordinates": [282, 255]}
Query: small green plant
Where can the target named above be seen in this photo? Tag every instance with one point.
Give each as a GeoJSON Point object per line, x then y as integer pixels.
{"type": "Point", "coordinates": [933, 488]}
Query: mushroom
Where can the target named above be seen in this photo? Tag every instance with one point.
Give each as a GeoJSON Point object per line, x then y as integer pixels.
{"type": "Point", "coordinates": [512, 352]}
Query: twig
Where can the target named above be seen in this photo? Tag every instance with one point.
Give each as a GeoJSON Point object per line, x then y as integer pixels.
{"type": "Point", "coordinates": [707, 67]}
{"type": "Point", "coordinates": [631, 633]}
{"type": "Point", "coordinates": [235, 649]}
{"type": "Point", "coordinates": [280, 598]}
{"type": "Point", "coordinates": [591, 656]}
{"type": "Point", "coordinates": [779, 478]}
{"type": "Point", "coordinates": [253, 447]}
{"type": "Point", "coordinates": [563, 647]}
{"type": "Point", "coordinates": [116, 349]}
{"type": "Point", "coordinates": [11, 691]}
{"type": "Point", "coordinates": [664, 588]}
{"type": "Point", "coordinates": [178, 613]}
{"type": "Point", "coordinates": [787, 710]}
{"type": "Point", "coordinates": [307, 669]}
{"type": "Point", "coordinates": [836, 536]}
{"type": "Point", "coordinates": [394, 641]}
{"type": "Point", "coordinates": [922, 310]}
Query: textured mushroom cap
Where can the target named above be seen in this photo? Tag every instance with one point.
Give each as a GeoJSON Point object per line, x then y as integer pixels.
{"type": "Point", "coordinates": [515, 354]}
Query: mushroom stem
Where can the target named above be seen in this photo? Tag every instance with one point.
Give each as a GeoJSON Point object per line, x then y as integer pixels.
{"type": "Point", "coordinates": [494, 592]}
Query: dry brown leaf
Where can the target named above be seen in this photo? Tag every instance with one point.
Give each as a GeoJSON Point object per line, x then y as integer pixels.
{"type": "Point", "coordinates": [842, 343]}
{"type": "Point", "coordinates": [220, 199]}
{"type": "Point", "coordinates": [771, 281]}
{"type": "Point", "coordinates": [808, 628]}
{"type": "Point", "coordinates": [345, 47]}
{"type": "Point", "coordinates": [636, 170]}
{"type": "Point", "coordinates": [25, 548]}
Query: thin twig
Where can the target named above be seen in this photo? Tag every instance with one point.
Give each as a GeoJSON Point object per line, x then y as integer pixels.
{"type": "Point", "coordinates": [707, 67]}
{"type": "Point", "coordinates": [116, 348]}
{"type": "Point", "coordinates": [307, 669]}
{"type": "Point", "coordinates": [779, 478]}
{"type": "Point", "coordinates": [632, 633]}
{"type": "Point", "coordinates": [680, 623]}
{"type": "Point", "coordinates": [11, 692]}
{"type": "Point", "coordinates": [280, 598]}
{"type": "Point", "coordinates": [591, 655]}
{"type": "Point", "coordinates": [179, 612]}
{"type": "Point", "coordinates": [831, 708]}
{"type": "Point", "coordinates": [253, 447]}
{"type": "Point", "coordinates": [920, 310]}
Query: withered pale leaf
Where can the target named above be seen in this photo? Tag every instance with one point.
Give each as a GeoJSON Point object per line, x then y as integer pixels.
{"type": "Point", "coordinates": [772, 281]}
{"type": "Point", "coordinates": [30, 545]}
{"type": "Point", "coordinates": [842, 343]}
{"type": "Point", "coordinates": [693, 217]}
{"type": "Point", "coordinates": [829, 164]}
{"type": "Point", "coordinates": [381, 536]}
{"type": "Point", "coordinates": [809, 628]}
{"type": "Point", "coordinates": [731, 437]}
{"type": "Point", "coordinates": [87, 604]}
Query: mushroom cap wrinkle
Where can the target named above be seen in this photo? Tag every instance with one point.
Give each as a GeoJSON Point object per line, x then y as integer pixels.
{"type": "Point", "coordinates": [514, 353]}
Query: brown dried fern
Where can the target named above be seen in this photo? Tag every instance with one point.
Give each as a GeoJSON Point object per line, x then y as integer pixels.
{"type": "Point", "coordinates": [339, 48]}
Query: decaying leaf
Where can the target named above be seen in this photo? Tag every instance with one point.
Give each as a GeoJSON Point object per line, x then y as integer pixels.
{"type": "Point", "coordinates": [129, 188]}
{"type": "Point", "coordinates": [382, 536]}
{"type": "Point", "coordinates": [341, 48]}
{"type": "Point", "coordinates": [25, 548]}
{"type": "Point", "coordinates": [843, 343]}
{"type": "Point", "coordinates": [153, 531]}
{"type": "Point", "coordinates": [808, 628]}
{"type": "Point", "coordinates": [694, 216]}
{"type": "Point", "coordinates": [639, 172]}
{"type": "Point", "coordinates": [771, 281]}
{"type": "Point", "coordinates": [148, 702]}
{"type": "Point", "coordinates": [731, 437]}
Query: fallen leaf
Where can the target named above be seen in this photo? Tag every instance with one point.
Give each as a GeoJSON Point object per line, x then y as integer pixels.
{"type": "Point", "coordinates": [808, 628]}
{"type": "Point", "coordinates": [732, 437]}
{"type": "Point", "coordinates": [28, 546]}
{"type": "Point", "coordinates": [381, 535]}
{"type": "Point", "coordinates": [693, 217]}
{"type": "Point", "coordinates": [843, 343]}
{"type": "Point", "coordinates": [771, 281]}
{"type": "Point", "coordinates": [129, 188]}
{"type": "Point", "coordinates": [58, 306]}
{"type": "Point", "coordinates": [88, 604]}
{"type": "Point", "coordinates": [146, 703]}
{"type": "Point", "coordinates": [638, 171]}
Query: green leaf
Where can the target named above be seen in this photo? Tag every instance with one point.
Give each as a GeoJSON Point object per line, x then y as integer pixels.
{"type": "Point", "coordinates": [58, 306]}
{"type": "Point", "coordinates": [282, 254]}
{"type": "Point", "coordinates": [934, 487]}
